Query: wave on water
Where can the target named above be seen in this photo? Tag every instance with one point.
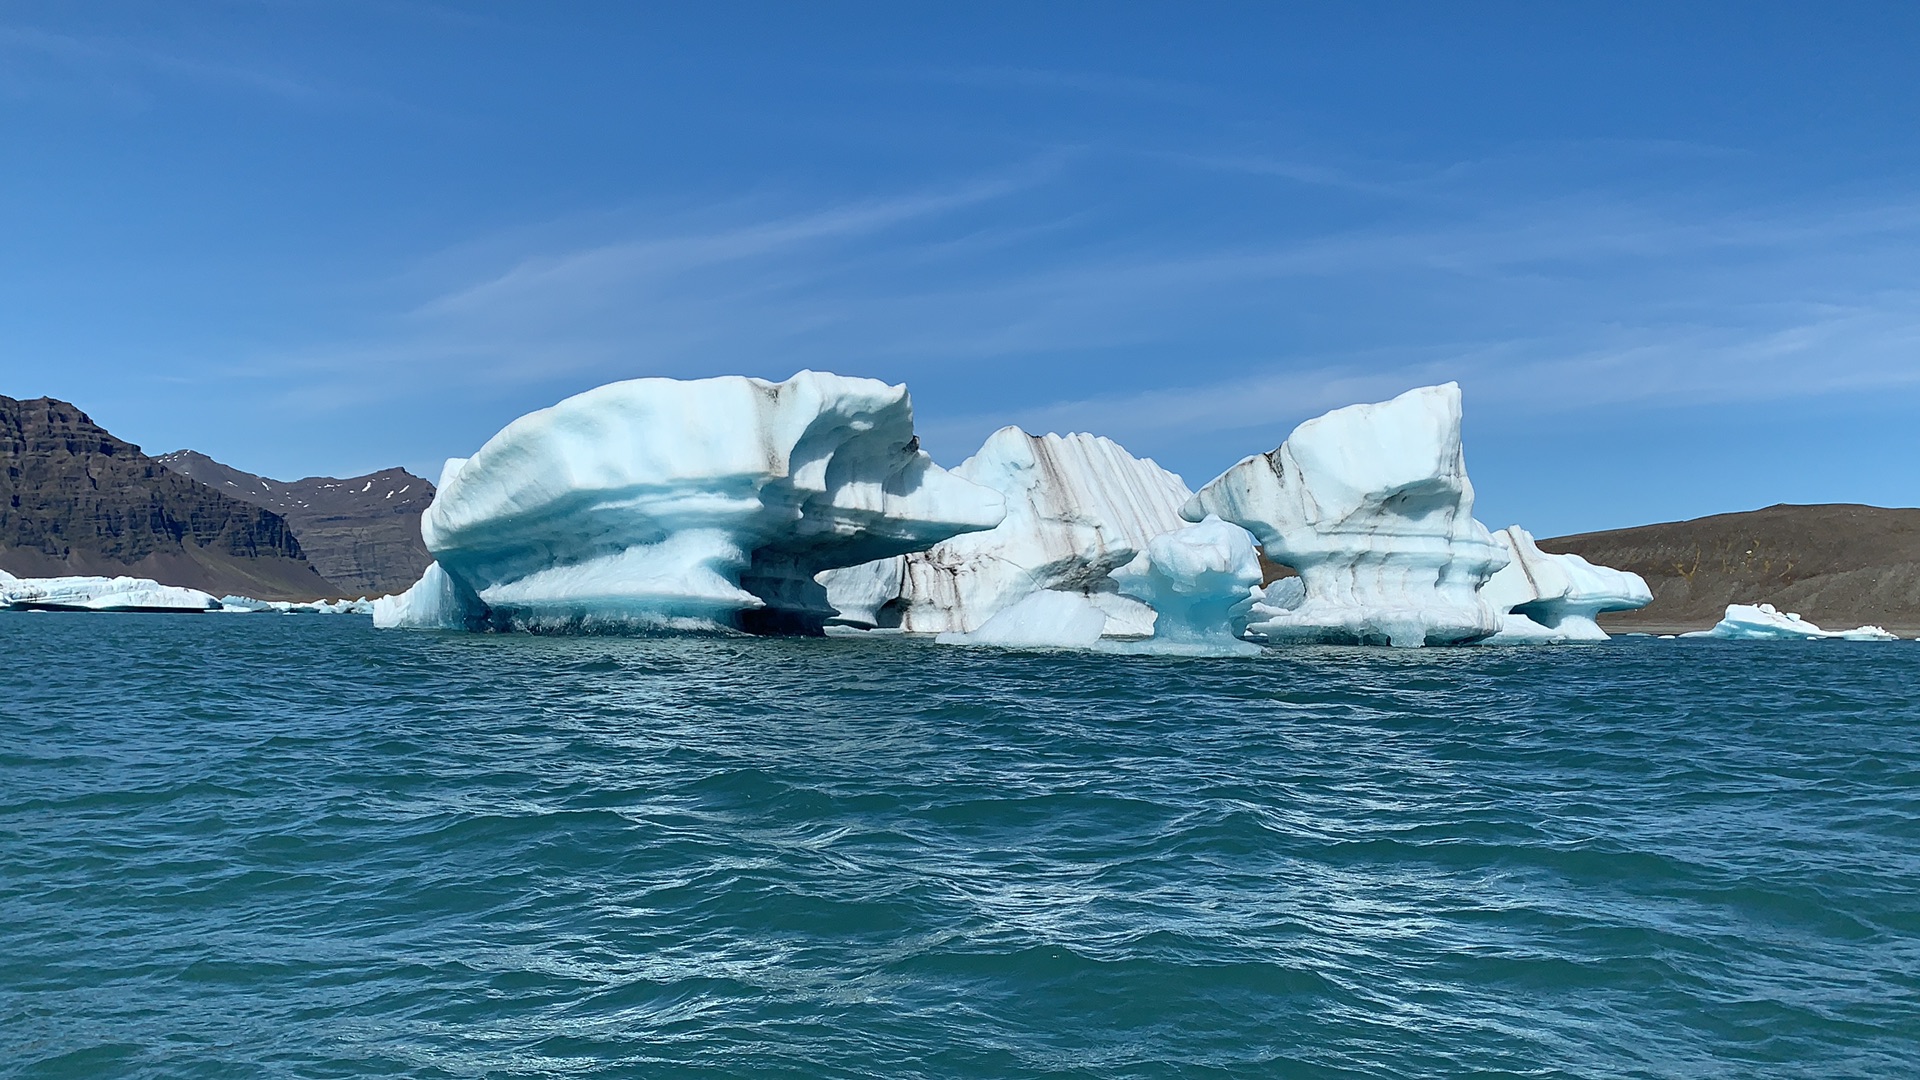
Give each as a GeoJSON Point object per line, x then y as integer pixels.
{"type": "Point", "coordinates": [293, 846]}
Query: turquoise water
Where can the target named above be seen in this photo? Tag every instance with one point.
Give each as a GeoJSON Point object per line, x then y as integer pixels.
{"type": "Point", "coordinates": [267, 846]}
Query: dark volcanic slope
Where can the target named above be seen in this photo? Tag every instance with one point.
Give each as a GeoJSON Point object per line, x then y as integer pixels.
{"type": "Point", "coordinates": [1838, 564]}
{"type": "Point", "coordinates": [363, 533]}
{"type": "Point", "coordinates": [76, 500]}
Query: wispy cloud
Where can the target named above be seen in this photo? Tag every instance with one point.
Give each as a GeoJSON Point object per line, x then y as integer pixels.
{"type": "Point", "coordinates": [1872, 347]}
{"type": "Point", "coordinates": [1000, 292]}
{"type": "Point", "coordinates": [566, 278]}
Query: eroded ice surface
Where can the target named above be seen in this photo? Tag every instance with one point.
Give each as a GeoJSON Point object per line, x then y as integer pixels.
{"type": "Point", "coordinates": [658, 502]}
{"type": "Point", "coordinates": [1078, 507]}
{"type": "Point", "coordinates": [1372, 505]}
{"type": "Point", "coordinates": [1546, 598]}
{"type": "Point", "coordinates": [1764, 622]}
{"type": "Point", "coordinates": [1200, 582]}
{"type": "Point", "coordinates": [1195, 582]}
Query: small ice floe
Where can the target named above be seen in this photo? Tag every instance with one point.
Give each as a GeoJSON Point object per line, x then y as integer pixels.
{"type": "Point", "coordinates": [1764, 622]}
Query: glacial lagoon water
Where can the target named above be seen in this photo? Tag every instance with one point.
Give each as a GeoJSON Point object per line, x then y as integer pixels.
{"type": "Point", "coordinates": [295, 846]}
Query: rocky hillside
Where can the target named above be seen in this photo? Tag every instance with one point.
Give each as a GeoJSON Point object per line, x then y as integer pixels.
{"type": "Point", "coordinates": [1838, 564]}
{"type": "Point", "coordinates": [76, 500]}
{"type": "Point", "coordinates": [362, 533]}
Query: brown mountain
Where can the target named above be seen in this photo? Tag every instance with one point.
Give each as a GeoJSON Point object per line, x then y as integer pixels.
{"type": "Point", "coordinates": [1838, 564]}
{"type": "Point", "coordinates": [76, 500]}
{"type": "Point", "coordinates": [362, 533]}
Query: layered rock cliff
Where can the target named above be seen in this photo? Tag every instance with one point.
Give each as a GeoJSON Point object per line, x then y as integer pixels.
{"type": "Point", "coordinates": [76, 500]}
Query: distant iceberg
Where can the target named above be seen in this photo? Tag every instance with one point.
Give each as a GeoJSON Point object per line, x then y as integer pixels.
{"type": "Point", "coordinates": [1764, 622]}
{"type": "Point", "coordinates": [1547, 598]}
{"type": "Point", "coordinates": [247, 604]}
{"type": "Point", "coordinates": [1372, 505]}
{"type": "Point", "coordinates": [667, 503]}
{"type": "Point", "coordinates": [100, 594]}
{"type": "Point", "coordinates": [1078, 507]}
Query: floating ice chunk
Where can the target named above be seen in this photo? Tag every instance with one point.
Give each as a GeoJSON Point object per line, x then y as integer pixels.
{"type": "Point", "coordinates": [435, 602]}
{"type": "Point", "coordinates": [1078, 507]}
{"type": "Point", "coordinates": [101, 594]}
{"type": "Point", "coordinates": [711, 502]}
{"type": "Point", "coordinates": [1043, 620]}
{"type": "Point", "coordinates": [1764, 622]}
{"type": "Point", "coordinates": [247, 605]}
{"type": "Point", "coordinates": [1372, 505]}
{"type": "Point", "coordinates": [1546, 598]}
{"type": "Point", "coordinates": [1200, 580]}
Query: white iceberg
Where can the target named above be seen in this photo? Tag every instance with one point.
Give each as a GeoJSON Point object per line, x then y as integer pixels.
{"type": "Point", "coordinates": [1546, 598]}
{"type": "Point", "coordinates": [101, 594]}
{"type": "Point", "coordinates": [703, 503]}
{"type": "Point", "coordinates": [1078, 507]}
{"type": "Point", "coordinates": [1764, 622]}
{"type": "Point", "coordinates": [1372, 505]}
{"type": "Point", "coordinates": [247, 604]}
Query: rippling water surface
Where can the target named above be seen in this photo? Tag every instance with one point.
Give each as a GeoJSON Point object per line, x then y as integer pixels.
{"type": "Point", "coordinates": [258, 846]}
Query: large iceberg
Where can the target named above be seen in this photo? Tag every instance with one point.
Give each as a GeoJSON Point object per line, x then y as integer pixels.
{"type": "Point", "coordinates": [100, 594]}
{"type": "Point", "coordinates": [1078, 507]}
{"type": "Point", "coordinates": [1764, 622]}
{"type": "Point", "coordinates": [703, 503]}
{"type": "Point", "coordinates": [1372, 505]}
{"type": "Point", "coordinates": [1547, 598]}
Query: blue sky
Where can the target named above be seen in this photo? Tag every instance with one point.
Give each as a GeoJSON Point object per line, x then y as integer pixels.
{"type": "Point", "coordinates": [1668, 250]}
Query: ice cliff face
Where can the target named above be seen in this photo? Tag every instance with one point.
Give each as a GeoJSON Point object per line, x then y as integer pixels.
{"type": "Point", "coordinates": [1553, 598]}
{"type": "Point", "coordinates": [1078, 507]}
{"type": "Point", "coordinates": [1372, 505]}
{"type": "Point", "coordinates": [657, 502]}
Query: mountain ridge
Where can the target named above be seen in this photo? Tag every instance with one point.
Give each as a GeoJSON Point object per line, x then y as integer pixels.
{"type": "Point", "coordinates": [1840, 565]}
{"type": "Point", "coordinates": [361, 532]}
